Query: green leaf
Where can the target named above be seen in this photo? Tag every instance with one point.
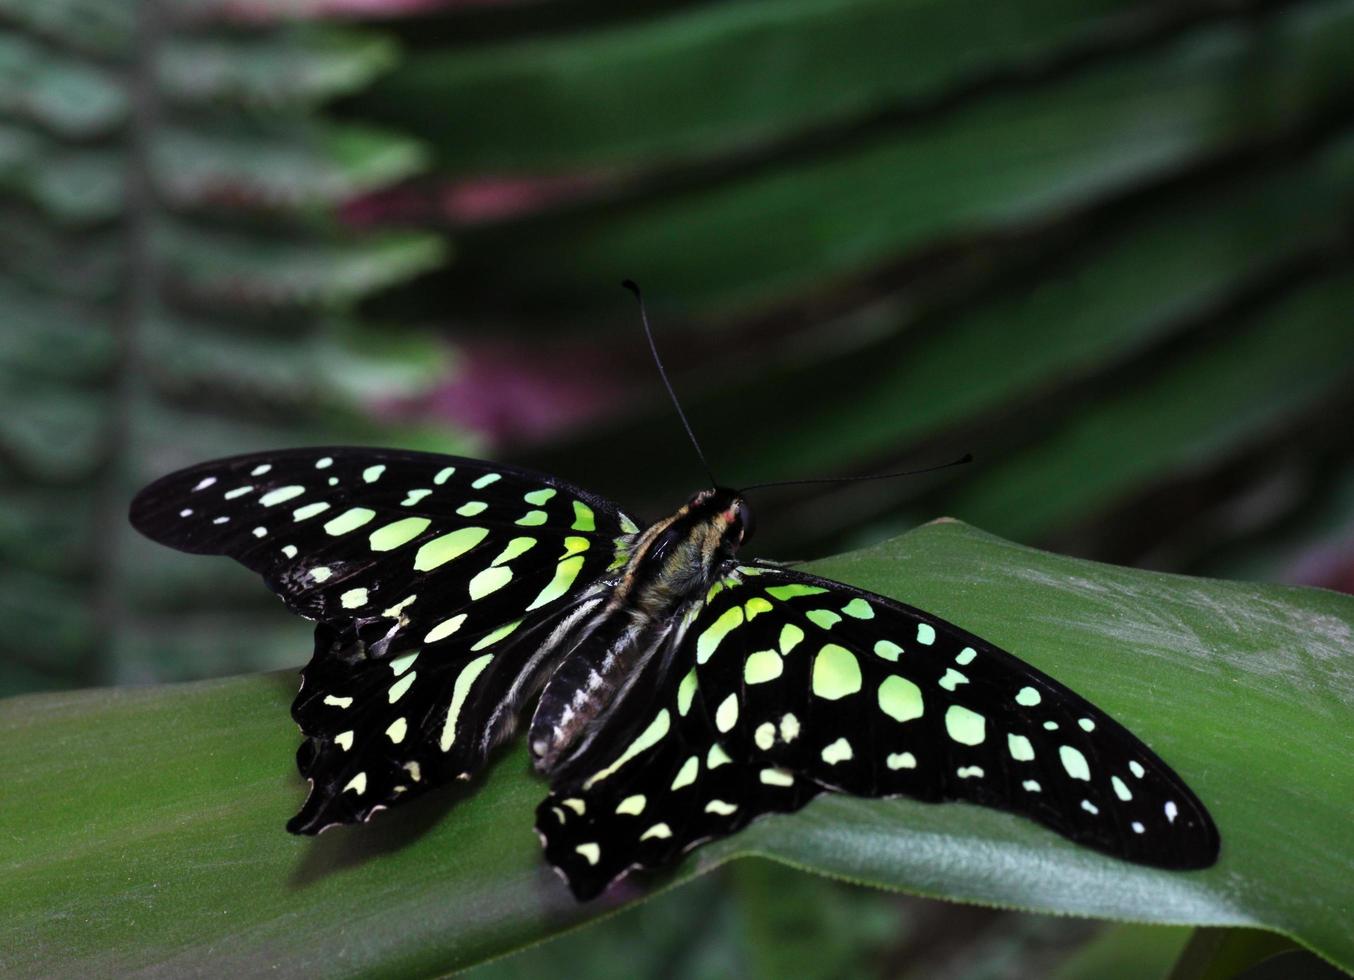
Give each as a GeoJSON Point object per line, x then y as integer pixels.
{"type": "Point", "coordinates": [153, 817]}
{"type": "Point", "coordinates": [707, 78]}
{"type": "Point", "coordinates": [740, 242]}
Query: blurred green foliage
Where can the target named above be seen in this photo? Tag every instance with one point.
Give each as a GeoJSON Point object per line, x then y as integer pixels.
{"type": "Point", "coordinates": [1105, 246]}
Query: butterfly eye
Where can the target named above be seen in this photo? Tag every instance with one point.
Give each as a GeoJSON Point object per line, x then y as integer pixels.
{"type": "Point", "coordinates": [745, 522]}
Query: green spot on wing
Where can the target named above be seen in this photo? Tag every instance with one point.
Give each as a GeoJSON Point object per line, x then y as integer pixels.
{"type": "Point", "coordinates": [784, 592]}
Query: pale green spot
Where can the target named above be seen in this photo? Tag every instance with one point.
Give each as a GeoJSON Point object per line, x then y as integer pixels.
{"type": "Point", "coordinates": [858, 608]}
{"type": "Point", "coordinates": [237, 492]}
{"type": "Point", "coordinates": [900, 699]}
{"type": "Point", "coordinates": [964, 772]}
{"type": "Point", "coordinates": [1031, 785]}
{"type": "Point", "coordinates": [1090, 807]}
{"type": "Point", "coordinates": [532, 518]}
{"type": "Point", "coordinates": [289, 550]}
{"type": "Point", "coordinates": [709, 640]}
{"type": "Point", "coordinates": [784, 592]}
{"type": "Point", "coordinates": [721, 808]}
{"type": "Point", "coordinates": [324, 462]}
{"type": "Point", "coordinates": [1086, 724]}
{"type": "Point", "coordinates": [565, 573]}
{"type": "Point", "coordinates": [281, 495]}
{"type": "Point", "coordinates": [443, 475]}
{"type": "Point", "coordinates": [824, 618]}
{"type": "Point", "coordinates": [414, 496]}
{"type": "Point", "coordinates": [952, 679]}
{"type": "Point", "coordinates": [591, 852]}
{"type": "Point", "coordinates": [964, 726]}
{"type": "Point", "coordinates": [888, 650]}
{"type": "Point", "coordinates": [574, 545]}
{"type": "Point", "coordinates": [836, 673]}
{"type": "Point", "coordinates": [647, 739]}
{"type": "Point", "coordinates": [765, 736]}
{"type": "Point", "coordinates": [776, 777]}
{"type": "Point", "coordinates": [516, 547]}
{"type": "Point", "coordinates": [926, 634]}
{"type": "Point", "coordinates": [966, 656]}
{"type": "Point", "coordinates": [414, 770]}
{"type": "Point", "coordinates": [1121, 790]}
{"type": "Point", "coordinates": [789, 728]}
{"type": "Point", "coordinates": [1074, 762]}
{"type": "Point", "coordinates": [349, 520]}
{"type": "Point", "coordinates": [358, 784]}
{"type": "Point", "coordinates": [632, 805]}
{"type": "Point", "coordinates": [322, 574]}
{"type": "Point", "coordinates": [726, 715]}
{"type": "Point", "coordinates": [448, 547]}
{"type": "Point", "coordinates": [373, 473]}
{"type": "Point", "coordinates": [471, 508]}
{"type": "Point", "coordinates": [1136, 768]}
{"type": "Point", "coordinates": [493, 637]}
{"type": "Point", "coordinates": [397, 730]}
{"type": "Point", "coordinates": [309, 510]}
{"type": "Point", "coordinates": [1028, 697]}
{"type": "Point", "coordinates": [660, 830]}
{"type": "Point", "coordinates": [445, 628]}
{"type": "Point", "coordinates": [397, 610]}
{"type": "Point", "coordinates": [901, 760]}
{"type": "Point", "coordinates": [583, 517]}
{"type": "Point", "coordinates": [716, 757]}
{"type": "Point", "coordinates": [790, 635]}
{"type": "Point", "coordinates": [714, 590]}
{"type": "Point", "coordinates": [1020, 748]}
{"type": "Point", "coordinates": [762, 666]}
{"type": "Point", "coordinates": [754, 606]}
{"type": "Point", "coordinates": [354, 598]}
{"type": "Point", "coordinates": [402, 663]}
{"type": "Point", "coordinates": [459, 692]}
{"type": "Point", "coordinates": [485, 480]}
{"type": "Point", "coordinates": [344, 740]}
{"type": "Point", "coordinates": [337, 702]}
{"type": "Point", "coordinates": [578, 806]}
{"type": "Point", "coordinates": [490, 580]}
{"type": "Point", "coordinates": [400, 686]}
{"type": "Point", "coordinates": [261, 469]}
{"type": "Point", "coordinates": [403, 531]}
{"type": "Point", "coordinates": [838, 751]}
{"type": "Point", "coordinates": [686, 692]}
{"type": "Point", "coordinates": [687, 774]}
{"type": "Point", "coordinates": [629, 526]}
{"type": "Point", "coordinates": [539, 497]}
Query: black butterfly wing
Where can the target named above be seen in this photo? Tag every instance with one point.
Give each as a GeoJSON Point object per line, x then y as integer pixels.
{"type": "Point", "coordinates": [434, 580]}
{"type": "Point", "coordinates": [795, 684]}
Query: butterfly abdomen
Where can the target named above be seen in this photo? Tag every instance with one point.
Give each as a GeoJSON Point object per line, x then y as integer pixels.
{"type": "Point", "coordinates": [671, 566]}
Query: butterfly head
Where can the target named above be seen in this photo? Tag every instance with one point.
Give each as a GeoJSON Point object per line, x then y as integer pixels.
{"type": "Point", "coordinates": [728, 514]}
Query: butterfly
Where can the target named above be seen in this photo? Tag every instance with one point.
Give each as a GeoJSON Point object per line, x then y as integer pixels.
{"type": "Point", "coordinates": [679, 692]}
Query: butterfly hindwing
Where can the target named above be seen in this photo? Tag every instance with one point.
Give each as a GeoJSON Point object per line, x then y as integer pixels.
{"type": "Point", "coordinates": [652, 797]}
{"type": "Point", "coordinates": [787, 685]}
{"type": "Point", "coordinates": [432, 579]}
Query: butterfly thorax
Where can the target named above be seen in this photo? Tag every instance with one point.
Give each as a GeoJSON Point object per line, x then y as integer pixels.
{"type": "Point", "coordinates": [608, 642]}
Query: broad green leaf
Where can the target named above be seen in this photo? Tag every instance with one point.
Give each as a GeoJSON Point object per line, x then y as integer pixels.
{"type": "Point", "coordinates": [153, 818]}
{"type": "Point", "coordinates": [705, 78]}
{"type": "Point", "coordinates": [1020, 155]}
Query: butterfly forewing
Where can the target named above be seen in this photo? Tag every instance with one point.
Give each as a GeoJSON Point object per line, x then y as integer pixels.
{"type": "Point", "coordinates": [433, 579]}
{"type": "Point", "coordinates": [793, 684]}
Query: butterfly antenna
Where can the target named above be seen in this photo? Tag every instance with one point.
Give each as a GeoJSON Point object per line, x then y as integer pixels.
{"type": "Point", "coordinates": [961, 461]}
{"type": "Point", "coordinates": [631, 285]}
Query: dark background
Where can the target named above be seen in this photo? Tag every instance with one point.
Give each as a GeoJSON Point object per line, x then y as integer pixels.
{"type": "Point", "coordinates": [1104, 245]}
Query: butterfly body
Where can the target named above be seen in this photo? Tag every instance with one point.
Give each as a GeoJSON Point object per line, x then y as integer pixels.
{"type": "Point", "coordinates": [679, 692]}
